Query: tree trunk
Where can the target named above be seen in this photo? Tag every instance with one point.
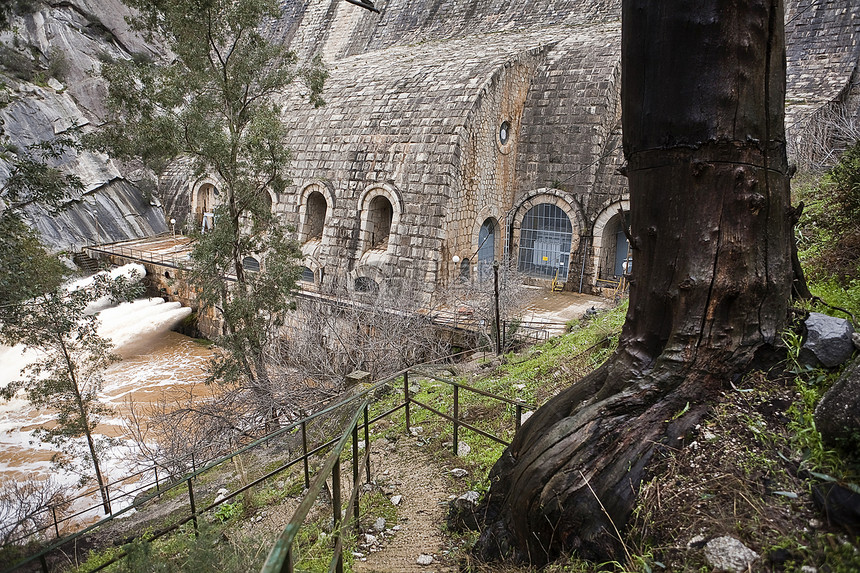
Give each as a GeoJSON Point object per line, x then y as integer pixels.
{"type": "Point", "coordinates": [703, 102]}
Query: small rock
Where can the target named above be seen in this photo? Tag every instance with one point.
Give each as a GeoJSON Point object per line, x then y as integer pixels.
{"type": "Point", "coordinates": [808, 569]}
{"type": "Point", "coordinates": [459, 473]}
{"type": "Point", "coordinates": [357, 554]}
{"type": "Point", "coordinates": [221, 494]}
{"type": "Point", "coordinates": [696, 542]}
{"type": "Point", "coordinates": [396, 499]}
{"type": "Point", "coordinates": [258, 519]}
{"type": "Point", "coordinates": [729, 554]}
{"type": "Point", "coordinates": [463, 449]}
{"type": "Point", "coordinates": [519, 386]}
{"type": "Point", "coordinates": [424, 559]}
{"type": "Point", "coordinates": [55, 85]}
{"type": "Point", "coordinates": [396, 528]}
{"type": "Point", "coordinates": [526, 415]}
{"type": "Point", "coordinates": [368, 539]}
{"type": "Point", "coordinates": [461, 512]}
{"type": "Point", "coordinates": [416, 430]}
{"type": "Point", "coordinates": [379, 524]}
{"type": "Point", "coordinates": [855, 338]}
{"type": "Point", "coordinates": [815, 524]}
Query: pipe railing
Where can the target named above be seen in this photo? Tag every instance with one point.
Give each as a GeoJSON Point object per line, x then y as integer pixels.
{"type": "Point", "coordinates": [296, 429]}
{"type": "Point", "coordinates": [281, 556]}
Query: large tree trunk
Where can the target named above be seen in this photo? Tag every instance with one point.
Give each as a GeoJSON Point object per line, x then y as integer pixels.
{"type": "Point", "coordinates": [702, 99]}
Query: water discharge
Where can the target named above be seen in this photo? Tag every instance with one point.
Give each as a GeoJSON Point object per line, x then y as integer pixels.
{"type": "Point", "coordinates": [156, 362]}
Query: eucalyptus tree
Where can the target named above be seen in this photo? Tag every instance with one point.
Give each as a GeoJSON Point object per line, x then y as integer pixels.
{"type": "Point", "coordinates": [216, 102]}
{"type": "Point", "coordinates": [702, 114]}
{"type": "Point", "coordinates": [67, 374]}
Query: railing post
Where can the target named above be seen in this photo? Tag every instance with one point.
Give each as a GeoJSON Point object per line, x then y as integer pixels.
{"type": "Point", "coordinates": [288, 562]}
{"type": "Point", "coordinates": [367, 442]}
{"type": "Point", "coordinates": [305, 454]}
{"type": "Point", "coordinates": [193, 507]}
{"type": "Point", "coordinates": [355, 469]}
{"type": "Point", "coordinates": [519, 416]}
{"type": "Point", "coordinates": [406, 397]}
{"type": "Point", "coordinates": [56, 525]}
{"type": "Point", "coordinates": [456, 417]}
{"type": "Point", "coordinates": [335, 507]}
{"type": "Point", "coordinates": [44, 563]}
{"type": "Point", "coordinates": [156, 479]}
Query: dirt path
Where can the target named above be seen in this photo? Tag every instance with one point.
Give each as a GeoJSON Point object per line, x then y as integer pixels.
{"type": "Point", "coordinates": [406, 469]}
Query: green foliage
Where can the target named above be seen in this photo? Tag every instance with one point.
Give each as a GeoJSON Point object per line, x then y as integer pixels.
{"type": "Point", "coordinates": [229, 510]}
{"type": "Point", "coordinates": [828, 236]}
{"type": "Point", "coordinates": [217, 104]}
{"type": "Point", "coordinates": [67, 376]}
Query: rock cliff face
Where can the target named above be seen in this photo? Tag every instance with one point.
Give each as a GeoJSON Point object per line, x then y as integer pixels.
{"type": "Point", "coordinates": [51, 59]}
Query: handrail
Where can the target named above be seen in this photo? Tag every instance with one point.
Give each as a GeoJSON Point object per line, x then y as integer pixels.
{"type": "Point", "coordinates": [280, 556]}
{"type": "Point", "coordinates": [364, 395]}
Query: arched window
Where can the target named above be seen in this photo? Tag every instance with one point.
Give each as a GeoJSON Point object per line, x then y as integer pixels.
{"type": "Point", "coordinates": [366, 285]}
{"type": "Point", "coordinates": [545, 239]}
{"type": "Point", "coordinates": [465, 270]}
{"type": "Point", "coordinates": [315, 215]}
{"type": "Point", "coordinates": [204, 205]}
{"type": "Point", "coordinates": [617, 249]}
{"type": "Point", "coordinates": [307, 274]}
{"type": "Point", "coordinates": [251, 264]}
{"type": "Point", "coordinates": [486, 248]}
{"type": "Point", "coordinates": [379, 217]}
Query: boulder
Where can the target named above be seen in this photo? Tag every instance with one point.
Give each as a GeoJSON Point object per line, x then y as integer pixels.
{"type": "Point", "coordinates": [840, 505]}
{"type": "Point", "coordinates": [837, 415]}
{"type": "Point", "coordinates": [828, 341]}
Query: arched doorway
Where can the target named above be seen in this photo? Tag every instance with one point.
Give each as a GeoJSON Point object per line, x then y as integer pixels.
{"type": "Point", "coordinates": [545, 239]}
{"type": "Point", "coordinates": [486, 248]}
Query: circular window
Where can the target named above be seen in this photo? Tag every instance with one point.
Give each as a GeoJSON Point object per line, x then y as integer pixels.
{"type": "Point", "coordinates": [504, 132]}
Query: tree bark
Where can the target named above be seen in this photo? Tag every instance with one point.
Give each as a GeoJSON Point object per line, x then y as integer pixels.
{"type": "Point", "coordinates": [702, 113]}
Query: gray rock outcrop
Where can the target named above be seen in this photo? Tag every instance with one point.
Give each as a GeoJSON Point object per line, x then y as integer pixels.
{"type": "Point", "coordinates": [837, 415]}
{"type": "Point", "coordinates": [51, 61]}
{"type": "Point", "coordinates": [828, 341]}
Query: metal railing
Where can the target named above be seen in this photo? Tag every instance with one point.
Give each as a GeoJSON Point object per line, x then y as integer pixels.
{"type": "Point", "coordinates": [282, 550]}
{"type": "Point", "coordinates": [281, 556]}
{"type": "Point", "coordinates": [140, 255]}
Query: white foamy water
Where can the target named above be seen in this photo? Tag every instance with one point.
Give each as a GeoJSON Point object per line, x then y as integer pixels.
{"type": "Point", "coordinates": [155, 361]}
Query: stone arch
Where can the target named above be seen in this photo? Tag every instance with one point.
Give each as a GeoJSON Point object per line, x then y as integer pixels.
{"type": "Point", "coordinates": [487, 242]}
{"type": "Point", "coordinates": [543, 247]}
{"type": "Point", "coordinates": [316, 203]}
{"type": "Point", "coordinates": [606, 239]}
{"type": "Point", "coordinates": [380, 209]}
{"type": "Point", "coordinates": [205, 196]}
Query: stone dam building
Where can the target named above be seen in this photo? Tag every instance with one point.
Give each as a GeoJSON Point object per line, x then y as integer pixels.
{"type": "Point", "coordinates": [455, 133]}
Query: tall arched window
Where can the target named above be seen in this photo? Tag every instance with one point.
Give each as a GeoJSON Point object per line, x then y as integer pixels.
{"type": "Point", "coordinates": [617, 249]}
{"type": "Point", "coordinates": [315, 215]}
{"type": "Point", "coordinates": [379, 217]}
{"type": "Point", "coordinates": [545, 239]}
{"type": "Point", "coordinates": [486, 248]}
